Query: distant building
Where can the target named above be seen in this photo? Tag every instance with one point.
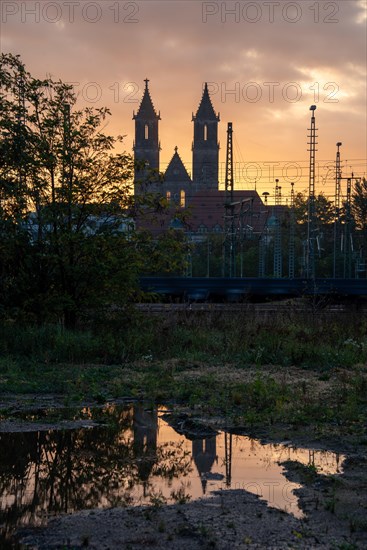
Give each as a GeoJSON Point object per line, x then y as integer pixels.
{"type": "Point", "coordinates": [199, 193]}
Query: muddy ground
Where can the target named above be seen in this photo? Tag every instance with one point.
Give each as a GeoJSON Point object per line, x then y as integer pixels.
{"type": "Point", "coordinates": [335, 517]}
{"type": "Point", "coordinates": [334, 507]}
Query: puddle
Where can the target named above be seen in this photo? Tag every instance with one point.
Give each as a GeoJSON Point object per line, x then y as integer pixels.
{"type": "Point", "coordinates": [135, 458]}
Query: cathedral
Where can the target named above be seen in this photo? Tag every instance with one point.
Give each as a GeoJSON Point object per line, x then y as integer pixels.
{"type": "Point", "coordinates": [199, 193]}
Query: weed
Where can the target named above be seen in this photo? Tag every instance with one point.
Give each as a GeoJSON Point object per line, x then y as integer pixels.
{"type": "Point", "coordinates": [330, 505]}
{"type": "Point", "coordinates": [157, 499]}
{"type": "Point", "coordinates": [161, 527]}
{"type": "Point", "coordinates": [180, 497]}
{"type": "Point", "coordinates": [103, 361]}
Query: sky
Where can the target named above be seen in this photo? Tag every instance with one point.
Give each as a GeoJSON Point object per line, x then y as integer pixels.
{"type": "Point", "coordinates": [266, 62]}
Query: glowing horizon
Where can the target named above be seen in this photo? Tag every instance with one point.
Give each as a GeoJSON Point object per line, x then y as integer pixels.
{"type": "Point", "coordinates": [265, 64]}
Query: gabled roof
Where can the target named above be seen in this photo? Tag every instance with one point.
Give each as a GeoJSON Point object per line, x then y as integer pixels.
{"type": "Point", "coordinates": [206, 110]}
{"type": "Point", "coordinates": [176, 171]}
{"type": "Point", "coordinates": [146, 109]}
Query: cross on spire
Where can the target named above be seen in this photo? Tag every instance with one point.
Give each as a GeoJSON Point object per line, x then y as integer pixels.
{"type": "Point", "coordinates": [146, 109]}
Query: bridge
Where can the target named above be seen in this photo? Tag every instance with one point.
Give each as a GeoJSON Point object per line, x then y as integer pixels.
{"type": "Point", "coordinates": [234, 289]}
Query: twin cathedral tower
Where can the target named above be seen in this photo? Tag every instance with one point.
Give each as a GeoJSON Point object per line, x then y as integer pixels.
{"type": "Point", "coordinates": [205, 149]}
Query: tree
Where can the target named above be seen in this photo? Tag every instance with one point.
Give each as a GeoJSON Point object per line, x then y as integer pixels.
{"type": "Point", "coordinates": [66, 201]}
{"type": "Point", "coordinates": [324, 209]}
{"type": "Point", "coordinates": [359, 205]}
{"type": "Point", "coordinates": [359, 213]}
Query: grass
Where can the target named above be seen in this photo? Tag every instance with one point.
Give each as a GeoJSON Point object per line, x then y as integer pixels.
{"type": "Point", "coordinates": [286, 368]}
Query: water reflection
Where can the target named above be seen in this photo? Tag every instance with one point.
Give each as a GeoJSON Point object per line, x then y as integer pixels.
{"type": "Point", "coordinates": [135, 458]}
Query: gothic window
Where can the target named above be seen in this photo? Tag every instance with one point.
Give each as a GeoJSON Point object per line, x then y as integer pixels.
{"type": "Point", "coordinates": [202, 228]}
{"type": "Point", "coordinates": [205, 132]}
{"type": "Point", "coordinates": [146, 131]}
{"type": "Point", "coordinates": [168, 196]}
{"type": "Point", "coordinates": [182, 199]}
{"type": "Point", "coordinates": [217, 228]}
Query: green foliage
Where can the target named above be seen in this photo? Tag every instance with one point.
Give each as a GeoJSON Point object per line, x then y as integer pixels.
{"type": "Point", "coordinates": [239, 367]}
{"type": "Point", "coordinates": [65, 196]}
{"type": "Point", "coordinates": [324, 210]}
{"type": "Point", "coordinates": [167, 254]}
{"type": "Point", "coordinates": [359, 204]}
{"type": "Point", "coordinates": [68, 243]}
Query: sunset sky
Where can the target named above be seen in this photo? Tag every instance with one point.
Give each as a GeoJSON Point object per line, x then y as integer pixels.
{"type": "Point", "coordinates": [266, 62]}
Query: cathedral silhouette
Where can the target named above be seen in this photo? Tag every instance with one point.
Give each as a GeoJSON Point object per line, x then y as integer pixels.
{"type": "Point", "coordinates": [200, 193]}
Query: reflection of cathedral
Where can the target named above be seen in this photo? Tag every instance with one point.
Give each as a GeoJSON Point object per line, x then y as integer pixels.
{"type": "Point", "coordinates": [204, 452]}
{"type": "Point", "coordinates": [145, 440]}
{"type": "Point", "coordinates": [199, 191]}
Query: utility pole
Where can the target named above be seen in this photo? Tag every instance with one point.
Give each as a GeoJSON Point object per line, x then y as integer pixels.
{"type": "Point", "coordinates": [311, 225]}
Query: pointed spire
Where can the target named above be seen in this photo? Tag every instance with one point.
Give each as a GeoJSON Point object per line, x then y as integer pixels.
{"type": "Point", "coordinates": [146, 109]}
{"type": "Point", "coordinates": [176, 170]}
{"type": "Point", "coordinates": [206, 110]}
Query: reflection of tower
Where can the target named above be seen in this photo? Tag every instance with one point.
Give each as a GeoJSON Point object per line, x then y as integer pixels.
{"type": "Point", "coordinates": [228, 457]}
{"type": "Point", "coordinates": [205, 149]}
{"type": "Point", "coordinates": [145, 440]}
{"type": "Point", "coordinates": [146, 145]}
{"type": "Point", "coordinates": [204, 452]}
{"type": "Point", "coordinates": [311, 457]}
{"type": "Point", "coordinates": [337, 460]}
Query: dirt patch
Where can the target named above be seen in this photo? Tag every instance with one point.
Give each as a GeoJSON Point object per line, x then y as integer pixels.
{"type": "Point", "coordinates": [334, 507]}
{"type": "Point", "coordinates": [231, 519]}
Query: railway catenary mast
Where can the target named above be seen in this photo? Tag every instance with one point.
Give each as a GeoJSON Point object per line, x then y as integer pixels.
{"type": "Point", "coordinates": [277, 232]}
{"type": "Point", "coordinates": [263, 243]}
{"type": "Point", "coordinates": [292, 232]}
{"type": "Point", "coordinates": [311, 225]}
{"type": "Point", "coordinates": [229, 268]}
{"type": "Point", "coordinates": [347, 240]}
{"type": "Point", "coordinates": [337, 236]}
